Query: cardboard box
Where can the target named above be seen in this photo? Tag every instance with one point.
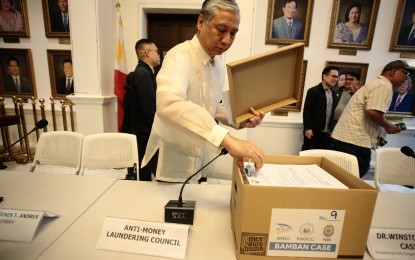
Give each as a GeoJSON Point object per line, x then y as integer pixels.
{"type": "Point", "coordinates": [266, 81]}
{"type": "Point", "coordinates": [251, 207]}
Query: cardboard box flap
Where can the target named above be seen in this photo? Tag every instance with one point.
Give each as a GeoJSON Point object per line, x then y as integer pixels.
{"type": "Point", "coordinates": [266, 81]}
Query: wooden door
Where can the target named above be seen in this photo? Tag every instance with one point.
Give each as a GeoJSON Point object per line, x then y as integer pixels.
{"type": "Point", "coordinates": [168, 30]}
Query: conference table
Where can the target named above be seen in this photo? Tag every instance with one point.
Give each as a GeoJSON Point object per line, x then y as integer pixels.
{"type": "Point", "coordinates": [75, 234]}
{"type": "Point", "coordinates": [69, 196]}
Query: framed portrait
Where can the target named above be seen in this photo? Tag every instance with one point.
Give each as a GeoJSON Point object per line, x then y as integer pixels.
{"type": "Point", "coordinates": [61, 73]}
{"type": "Point", "coordinates": [13, 19]}
{"type": "Point", "coordinates": [403, 37]}
{"type": "Point", "coordinates": [56, 17]}
{"type": "Point", "coordinates": [295, 107]}
{"type": "Point", "coordinates": [404, 107]}
{"type": "Point", "coordinates": [344, 67]}
{"type": "Point", "coordinates": [353, 24]}
{"type": "Point", "coordinates": [17, 77]}
{"type": "Point", "coordinates": [288, 21]}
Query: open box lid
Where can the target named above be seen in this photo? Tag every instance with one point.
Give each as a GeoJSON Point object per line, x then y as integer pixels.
{"type": "Point", "coordinates": [265, 81]}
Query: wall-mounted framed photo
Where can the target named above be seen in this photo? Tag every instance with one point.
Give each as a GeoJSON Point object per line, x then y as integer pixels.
{"type": "Point", "coordinates": [353, 24]}
{"type": "Point", "coordinates": [344, 67]}
{"type": "Point", "coordinates": [295, 107]}
{"type": "Point", "coordinates": [61, 73]}
{"type": "Point", "coordinates": [17, 77]}
{"type": "Point", "coordinates": [288, 21]}
{"type": "Point", "coordinates": [403, 98]}
{"type": "Point", "coordinates": [56, 17]}
{"type": "Point", "coordinates": [13, 19]}
{"type": "Point", "coordinates": [403, 36]}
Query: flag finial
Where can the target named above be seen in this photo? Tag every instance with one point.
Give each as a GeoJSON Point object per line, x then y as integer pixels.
{"type": "Point", "coordinates": [117, 5]}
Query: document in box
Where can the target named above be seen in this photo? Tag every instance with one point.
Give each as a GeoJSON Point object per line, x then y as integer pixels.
{"type": "Point", "coordinates": [287, 175]}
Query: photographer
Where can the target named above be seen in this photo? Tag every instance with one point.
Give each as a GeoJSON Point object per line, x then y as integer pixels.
{"type": "Point", "coordinates": [360, 123]}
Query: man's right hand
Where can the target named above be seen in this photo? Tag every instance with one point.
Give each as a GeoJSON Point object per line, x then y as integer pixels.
{"type": "Point", "coordinates": [308, 133]}
{"type": "Point", "coordinates": [240, 149]}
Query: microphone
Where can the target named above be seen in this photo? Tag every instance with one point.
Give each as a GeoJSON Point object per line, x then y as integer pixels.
{"type": "Point", "coordinates": [182, 212]}
{"type": "Point", "coordinates": [408, 151]}
{"type": "Point", "coordinates": [39, 125]}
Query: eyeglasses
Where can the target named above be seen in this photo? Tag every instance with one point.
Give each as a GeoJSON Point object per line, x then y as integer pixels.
{"type": "Point", "coordinates": [404, 72]}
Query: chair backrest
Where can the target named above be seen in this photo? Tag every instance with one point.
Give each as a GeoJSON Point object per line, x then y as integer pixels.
{"type": "Point", "coordinates": [394, 167]}
{"type": "Point", "coordinates": [59, 148]}
{"type": "Point", "coordinates": [345, 161]}
{"type": "Point", "coordinates": [109, 151]}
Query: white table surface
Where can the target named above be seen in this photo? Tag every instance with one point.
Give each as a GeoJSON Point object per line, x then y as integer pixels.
{"type": "Point", "coordinates": [83, 202]}
{"type": "Point", "coordinates": [66, 195]}
{"type": "Point", "coordinates": [209, 237]}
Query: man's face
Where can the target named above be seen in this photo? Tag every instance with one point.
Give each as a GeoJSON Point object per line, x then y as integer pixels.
{"type": "Point", "coordinates": [67, 69]}
{"type": "Point", "coordinates": [289, 10]}
{"type": "Point", "coordinates": [218, 34]}
{"type": "Point", "coordinates": [13, 68]}
{"type": "Point", "coordinates": [398, 76]}
{"type": "Point", "coordinates": [154, 55]}
{"type": "Point", "coordinates": [352, 83]}
{"type": "Point", "coordinates": [63, 5]}
{"type": "Point", "coordinates": [404, 87]}
{"type": "Point", "coordinates": [330, 78]}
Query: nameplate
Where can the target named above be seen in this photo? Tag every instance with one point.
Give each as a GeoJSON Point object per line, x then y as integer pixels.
{"type": "Point", "coordinates": [145, 238]}
{"type": "Point", "coordinates": [20, 225]}
{"type": "Point", "coordinates": [385, 243]}
{"type": "Point", "coordinates": [305, 232]}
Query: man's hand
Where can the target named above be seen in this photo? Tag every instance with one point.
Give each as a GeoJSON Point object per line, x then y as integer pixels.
{"type": "Point", "coordinates": [253, 121]}
{"type": "Point", "coordinates": [239, 149]}
{"type": "Point", "coordinates": [308, 133]}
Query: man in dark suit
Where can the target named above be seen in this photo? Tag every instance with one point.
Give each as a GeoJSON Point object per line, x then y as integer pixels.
{"type": "Point", "coordinates": [287, 27]}
{"type": "Point", "coordinates": [65, 84]}
{"type": "Point", "coordinates": [60, 20]}
{"type": "Point", "coordinates": [407, 33]}
{"type": "Point", "coordinates": [402, 100]}
{"type": "Point", "coordinates": [140, 100]}
{"type": "Point", "coordinates": [319, 111]}
{"type": "Point", "coordinates": [14, 81]}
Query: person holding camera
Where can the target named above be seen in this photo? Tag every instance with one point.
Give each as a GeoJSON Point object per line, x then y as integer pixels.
{"type": "Point", "coordinates": [360, 123]}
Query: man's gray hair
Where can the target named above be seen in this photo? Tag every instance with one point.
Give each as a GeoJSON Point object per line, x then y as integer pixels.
{"type": "Point", "coordinates": [210, 6]}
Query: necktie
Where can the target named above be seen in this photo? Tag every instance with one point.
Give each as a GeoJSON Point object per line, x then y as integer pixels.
{"type": "Point", "coordinates": [68, 85]}
{"type": "Point", "coordinates": [18, 85]}
{"type": "Point", "coordinates": [290, 29]}
{"type": "Point", "coordinates": [410, 40]}
{"type": "Point", "coordinates": [65, 22]}
{"type": "Point", "coordinates": [398, 101]}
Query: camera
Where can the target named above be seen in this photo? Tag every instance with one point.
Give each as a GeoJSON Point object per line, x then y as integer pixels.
{"type": "Point", "coordinates": [401, 126]}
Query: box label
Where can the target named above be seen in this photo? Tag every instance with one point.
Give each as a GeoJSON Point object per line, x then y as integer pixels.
{"type": "Point", "coordinates": [387, 243]}
{"type": "Point", "coordinates": [253, 244]}
{"type": "Point", "coordinates": [305, 232]}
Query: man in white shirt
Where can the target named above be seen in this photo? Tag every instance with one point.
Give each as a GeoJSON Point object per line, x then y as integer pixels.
{"type": "Point", "coordinates": [189, 93]}
{"type": "Point", "coordinates": [360, 124]}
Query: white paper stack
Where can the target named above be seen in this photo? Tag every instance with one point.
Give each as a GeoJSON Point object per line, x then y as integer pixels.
{"type": "Point", "coordinates": [287, 175]}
